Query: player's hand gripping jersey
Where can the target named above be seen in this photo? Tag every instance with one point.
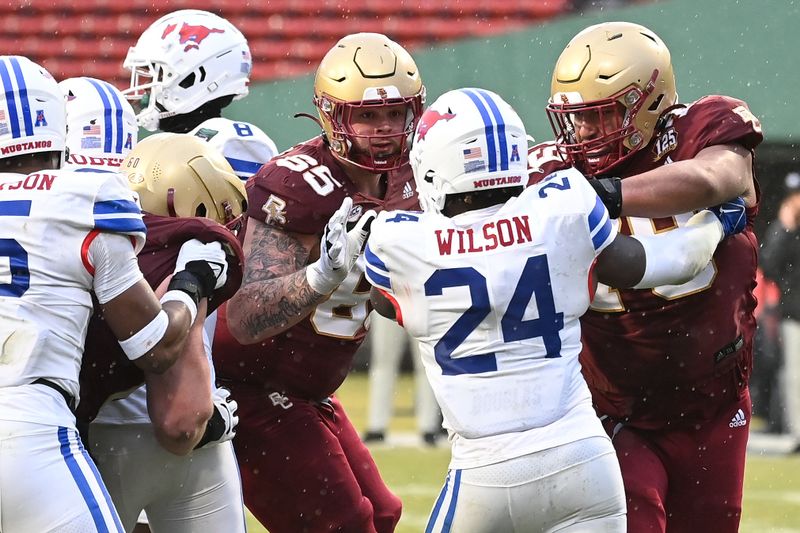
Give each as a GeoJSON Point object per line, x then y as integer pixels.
{"type": "Point", "coordinates": [496, 374]}
{"type": "Point", "coordinates": [298, 192]}
{"type": "Point", "coordinates": [656, 356]}
{"type": "Point", "coordinates": [106, 371]}
{"type": "Point", "coordinates": [48, 221]}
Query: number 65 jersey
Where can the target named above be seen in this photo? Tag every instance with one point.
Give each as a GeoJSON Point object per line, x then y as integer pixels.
{"type": "Point", "coordinates": [494, 297]}
{"type": "Point", "coordinates": [47, 222]}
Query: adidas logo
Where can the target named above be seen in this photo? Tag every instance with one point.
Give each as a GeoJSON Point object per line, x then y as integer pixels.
{"type": "Point", "coordinates": [408, 192]}
{"type": "Point", "coordinates": [738, 419]}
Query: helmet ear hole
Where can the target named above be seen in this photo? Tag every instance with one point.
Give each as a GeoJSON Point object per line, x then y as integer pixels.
{"type": "Point", "coordinates": [188, 81]}
{"type": "Point", "coordinates": [200, 211]}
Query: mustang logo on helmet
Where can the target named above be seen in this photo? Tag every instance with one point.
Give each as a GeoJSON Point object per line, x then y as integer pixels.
{"type": "Point", "coordinates": [429, 119]}
{"type": "Point", "coordinates": [191, 35]}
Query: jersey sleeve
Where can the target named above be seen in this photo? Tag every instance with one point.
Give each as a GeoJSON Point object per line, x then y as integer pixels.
{"type": "Point", "coordinates": [602, 229]}
{"type": "Point", "coordinates": [244, 145]}
{"type": "Point", "coordinates": [377, 255]}
{"type": "Point", "coordinates": [571, 191]}
{"type": "Point", "coordinates": [285, 198]}
{"type": "Point", "coordinates": [116, 211]}
{"type": "Point", "coordinates": [716, 119]}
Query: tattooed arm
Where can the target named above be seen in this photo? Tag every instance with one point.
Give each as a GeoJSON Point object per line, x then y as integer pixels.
{"type": "Point", "coordinates": [275, 294]}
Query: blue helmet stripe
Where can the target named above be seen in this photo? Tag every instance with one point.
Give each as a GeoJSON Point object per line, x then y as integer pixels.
{"type": "Point", "coordinates": [501, 128]}
{"type": "Point", "coordinates": [11, 101]}
{"type": "Point", "coordinates": [489, 129]}
{"type": "Point", "coordinates": [107, 134]}
{"type": "Point", "coordinates": [23, 96]}
{"type": "Point", "coordinates": [118, 114]}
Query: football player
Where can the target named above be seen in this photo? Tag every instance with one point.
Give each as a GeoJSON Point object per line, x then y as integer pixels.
{"type": "Point", "coordinates": [67, 235]}
{"type": "Point", "coordinates": [101, 124]}
{"type": "Point", "coordinates": [668, 367]}
{"type": "Point", "coordinates": [286, 340]}
{"type": "Point", "coordinates": [491, 280]}
{"type": "Point", "coordinates": [186, 68]}
{"type": "Point", "coordinates": [165, 447]}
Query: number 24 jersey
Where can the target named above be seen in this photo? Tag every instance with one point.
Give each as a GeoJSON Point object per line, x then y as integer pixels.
{"type": "Point", "coordinates": [494, 298]}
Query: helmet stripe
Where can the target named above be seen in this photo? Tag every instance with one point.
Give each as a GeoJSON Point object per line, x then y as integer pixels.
{"type": "Point", "coordinates": [11, 101]}
{"type": "Point", "coordinates": [501, 128]}
{"type": "Point", "coordinates": [489, 128]}
{"type": "Point", "coordinates": [23, 96]}
{"type": "Point", "coordinates": [118, 113]}
{"type": "Point", "coordinates": [107, 135]}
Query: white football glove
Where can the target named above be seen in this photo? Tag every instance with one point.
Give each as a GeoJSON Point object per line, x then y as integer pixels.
{"type": "Point", "coordinates": [211, 254]}
{"type": "Point", "coordinates": [338, 249]}
{"type": "Point", "coordinates": [222, 424]}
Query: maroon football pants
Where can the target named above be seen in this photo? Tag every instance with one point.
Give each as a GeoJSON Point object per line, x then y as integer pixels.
{"type": "Point", "coordinates": [305, 469]}
{"type": "Point", "coordinates": [688, 479]}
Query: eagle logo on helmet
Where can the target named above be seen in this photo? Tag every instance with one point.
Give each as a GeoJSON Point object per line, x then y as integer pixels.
{"type": "Point", "coordinates": [429, 120]}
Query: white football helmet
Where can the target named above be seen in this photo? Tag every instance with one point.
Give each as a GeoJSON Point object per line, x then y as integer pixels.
{"type": "Point", "coordinates": [244, 145]}
{"type": "Point", "coordinates": [32, 111]}
{"type": "Point", "coordinates": [183, 60]}
{"type": "Point", "coordinates": [100, 122]}
{"type": "Point", "coordinates": [468, 140]}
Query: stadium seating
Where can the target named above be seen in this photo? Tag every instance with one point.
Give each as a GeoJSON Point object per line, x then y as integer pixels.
{"type": "Point", "coordinates": [287, 37]}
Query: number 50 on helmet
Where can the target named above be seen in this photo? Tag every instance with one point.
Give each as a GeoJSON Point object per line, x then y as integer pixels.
{"type": "Point", "coordinates": [179, 175]}
{"type": "Point", "coordinates": [367, 70]}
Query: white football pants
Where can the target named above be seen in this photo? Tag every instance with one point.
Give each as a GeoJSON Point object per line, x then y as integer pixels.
{"type": "Point", "coordinates": [201, 491]}
{"type": "Point", "coordinates": [48, 483]}
{"type": "Point", "coordinates": [572, 488]}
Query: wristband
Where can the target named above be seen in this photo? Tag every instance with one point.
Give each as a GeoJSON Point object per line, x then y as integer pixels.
{"type": "Point", "coordinates": [146, 338]}
{"type": "Point", "coordinates": [180, 296]}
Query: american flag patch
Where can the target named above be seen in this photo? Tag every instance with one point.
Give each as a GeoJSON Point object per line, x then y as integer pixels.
{"type": "Point", "coordinates": [473, 153]}
{"type": "Point", "coordinates": [2, 114]}
{"type": "Point", "coordinates": [92, 129]}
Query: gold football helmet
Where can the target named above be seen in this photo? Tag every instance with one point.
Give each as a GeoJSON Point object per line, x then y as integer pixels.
{"type": "Point", "coordinates": [180, 175]}
{"type": "Point", "coordinates": [618, 75]}
{"type": "Point", "coordinates": [365, 70]}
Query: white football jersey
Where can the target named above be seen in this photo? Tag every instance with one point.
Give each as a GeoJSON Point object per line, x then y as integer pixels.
{"type": "Point", "coordinates": [494, 297]}
{"type": "Point", "coordinates": [47, 222]}
{"type": "Point", "coordinates": [244, 145]}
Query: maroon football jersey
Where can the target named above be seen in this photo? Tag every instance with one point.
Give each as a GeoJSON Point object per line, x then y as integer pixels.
{"type": "Point", "coordinates": [667, 355]}
{"type": "Point", "coordinates": [298, 191]}
{"type": "Point", "coordinates": [106, 370]}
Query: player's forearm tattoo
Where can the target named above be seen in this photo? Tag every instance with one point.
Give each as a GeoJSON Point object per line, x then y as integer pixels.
{"type": "Point", "coordinates": [276, 293]}
{"type": "Point", "coordinates": [273, 253]}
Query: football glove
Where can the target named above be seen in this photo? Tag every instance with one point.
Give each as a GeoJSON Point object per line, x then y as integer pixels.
{"type": "Point", "coordinates": [610, 192]}
{"type": "Point", "coordinates": [338, 249]}
{"type": "Point", "coordinates": [731, 215]}
{"type": "Point", "coordinates": [221, 426]}
{"type": "Point", "coordinates": [206, 261]}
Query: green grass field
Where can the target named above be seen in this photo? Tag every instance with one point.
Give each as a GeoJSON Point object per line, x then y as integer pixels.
{"type": "Point", "coordinates": [772, 487]}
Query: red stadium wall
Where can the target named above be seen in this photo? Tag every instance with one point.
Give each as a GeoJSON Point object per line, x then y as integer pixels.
{"type": "Point", "coordinates": [286, 37]}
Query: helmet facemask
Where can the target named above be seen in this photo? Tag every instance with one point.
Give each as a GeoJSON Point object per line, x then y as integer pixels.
{"type": "Point", "coordinates": [616, 70]}
{"type": "Point", "coordinates": [342, 136]}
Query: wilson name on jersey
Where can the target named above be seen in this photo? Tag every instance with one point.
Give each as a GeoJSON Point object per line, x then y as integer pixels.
{"type": "Point", "coordinates": [494, 297]}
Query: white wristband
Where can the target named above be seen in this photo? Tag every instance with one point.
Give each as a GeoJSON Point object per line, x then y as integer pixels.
{"type": "Point", "coordinates": [146, 338]}
{"type": "Point", "coordinates": [180, 296]}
